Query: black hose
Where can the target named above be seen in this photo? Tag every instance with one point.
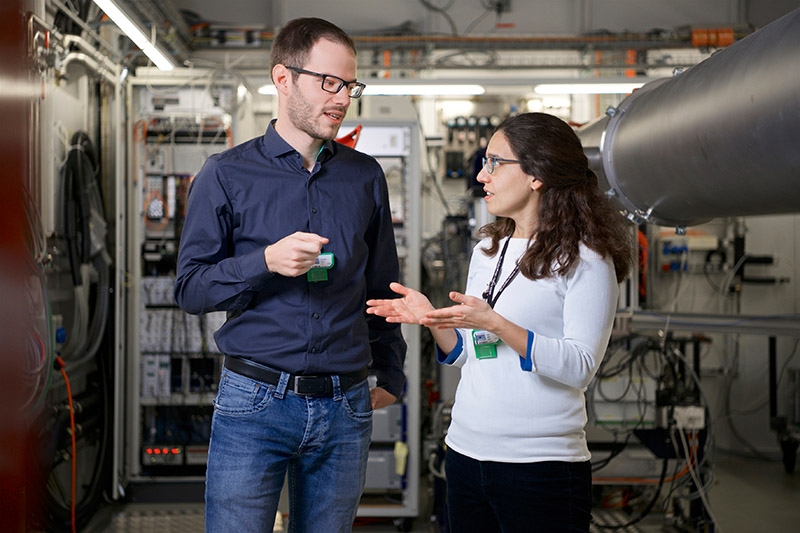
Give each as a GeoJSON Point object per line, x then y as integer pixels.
{"type": "Point", "coordinates": [79, 180]}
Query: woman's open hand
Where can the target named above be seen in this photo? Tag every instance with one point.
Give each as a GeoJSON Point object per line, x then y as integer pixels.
{"type": "Point", "coordinates": [406, 310]}
{"type": "Point", "coordinates": [470, 312]}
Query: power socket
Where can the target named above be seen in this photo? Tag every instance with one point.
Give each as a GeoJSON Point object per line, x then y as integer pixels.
{"type": "Point", "coordinates": [691, 417]}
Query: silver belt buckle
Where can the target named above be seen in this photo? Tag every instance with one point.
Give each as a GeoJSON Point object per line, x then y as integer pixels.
{"type": "Point", "coordinates": [315, 385]}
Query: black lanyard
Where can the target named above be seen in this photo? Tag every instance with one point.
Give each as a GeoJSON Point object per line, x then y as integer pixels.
{"type": "Point", "coordinates": [488, 294]}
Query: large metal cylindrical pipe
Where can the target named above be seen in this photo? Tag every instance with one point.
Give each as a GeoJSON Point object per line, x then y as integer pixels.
{"type": "Point", "coordinates": [720, 139]}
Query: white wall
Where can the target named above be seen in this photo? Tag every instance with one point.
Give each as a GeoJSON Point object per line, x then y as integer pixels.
{"type": "Point", "coordinates": [734, 366]}
{"type": "Point", "coordinates": [778, 237]}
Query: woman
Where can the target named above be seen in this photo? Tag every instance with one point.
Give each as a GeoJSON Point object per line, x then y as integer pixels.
{"type": "Point", "coordinates": [528, 333]}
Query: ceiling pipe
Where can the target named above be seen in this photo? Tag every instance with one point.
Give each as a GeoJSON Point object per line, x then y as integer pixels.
{"type": "Point", "coordinates": [100, 60]}
{"type": "Point", "coordinates": [111, 75]}
{"type": "Point", "coordinates": [168, 20]}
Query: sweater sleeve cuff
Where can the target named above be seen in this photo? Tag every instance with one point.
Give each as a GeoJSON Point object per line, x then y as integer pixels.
{"type": "Point", "coordinates": [526, 363]}
{"type": "Point", "coordinates": [450, 358]}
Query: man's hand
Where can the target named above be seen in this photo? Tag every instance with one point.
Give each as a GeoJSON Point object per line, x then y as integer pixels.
{"type": "Point", "coordinates": [381, 398]}
{"type": "Point", "coordinates": [295, 254]}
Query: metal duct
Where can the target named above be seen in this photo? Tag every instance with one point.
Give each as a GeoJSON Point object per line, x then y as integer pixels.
{"type": "Point", "coordinates": [720, 139]}
{"type": "Point", "coordinates": [164, 18]}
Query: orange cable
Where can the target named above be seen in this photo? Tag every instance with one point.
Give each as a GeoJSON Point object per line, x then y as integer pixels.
{"type": "Point", "coordinates": [60, 364]}
{"type": "Point", "coordinates": [645, 480]}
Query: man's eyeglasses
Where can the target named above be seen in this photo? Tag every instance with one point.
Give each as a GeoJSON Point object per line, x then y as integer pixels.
{"type": "Point", "coordinates": [490, 162]}
{"type": "Point", "coordinates": [334, 84]}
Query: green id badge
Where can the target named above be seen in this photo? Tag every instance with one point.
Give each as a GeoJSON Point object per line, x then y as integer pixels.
{"type": "Point", "coordinates": [319, 271]}
{"type": "Point", "coordinates": [485, 343]}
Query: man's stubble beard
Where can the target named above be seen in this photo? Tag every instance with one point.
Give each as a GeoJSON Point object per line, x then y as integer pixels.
{"type": "Point", "coordinates": [303, 117]}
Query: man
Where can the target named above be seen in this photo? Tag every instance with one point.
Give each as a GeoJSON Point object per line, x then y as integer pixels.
{"type": "Point", "coordinates": [291, 233]}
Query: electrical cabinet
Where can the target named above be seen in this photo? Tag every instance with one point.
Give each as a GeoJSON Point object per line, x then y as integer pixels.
{"type": "Point", "coordinates": [173, 364]}
{"type": "Point", "coordinates": [172, 360]}
{"type": "Point", "coordinates": [393, 467]}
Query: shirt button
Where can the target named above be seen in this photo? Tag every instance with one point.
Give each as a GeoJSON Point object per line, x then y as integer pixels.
{"type": "Point", "coordinates": [314, 350]}
{"type": "Point", "coordinates": [314, 210]}
{"type": "Point", "coordinates": [315, 315]}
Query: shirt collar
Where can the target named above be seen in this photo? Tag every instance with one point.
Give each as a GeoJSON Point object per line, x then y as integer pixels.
{"type": "Point", "coordinates": [277, 147]}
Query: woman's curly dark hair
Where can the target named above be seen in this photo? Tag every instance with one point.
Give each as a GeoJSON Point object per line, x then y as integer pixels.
{"type": "Point", "coordinates": [572, 207]}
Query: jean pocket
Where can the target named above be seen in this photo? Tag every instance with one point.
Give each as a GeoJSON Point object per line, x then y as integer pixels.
{"type": "Point", "coordinates": [357, 402]}
{"type": "Point", "coordinates": [240, 395]}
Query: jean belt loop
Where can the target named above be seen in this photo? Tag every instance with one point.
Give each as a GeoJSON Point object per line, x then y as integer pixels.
{"type": "Point", "coordinates": [337, 388]}
{"type": "Point", "coordinates": [280, 388]}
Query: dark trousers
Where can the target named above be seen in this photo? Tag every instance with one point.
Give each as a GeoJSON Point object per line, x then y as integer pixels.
{"type": "Point", "coordinates": [547, 497]}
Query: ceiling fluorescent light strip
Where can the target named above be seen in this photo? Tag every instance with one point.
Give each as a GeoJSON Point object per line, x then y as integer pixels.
{"type": "Point", "coordinates": [430, 89]}
{"type": "Point", "coordinates": [132, 30]}
{"type": "Point", "coordinates": [409, 89]}
{"type": "Point", "coordinates": [586, 88]}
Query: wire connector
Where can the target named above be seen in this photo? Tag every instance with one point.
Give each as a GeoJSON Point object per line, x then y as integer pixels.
{"type": "Point", "coordinates": [691, 417]}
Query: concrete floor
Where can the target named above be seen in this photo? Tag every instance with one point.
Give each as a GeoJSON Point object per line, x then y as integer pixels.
{"type": "Point", "coordinates": [752, 496]}
{"type": "Point", "coordinates": [749, 496]}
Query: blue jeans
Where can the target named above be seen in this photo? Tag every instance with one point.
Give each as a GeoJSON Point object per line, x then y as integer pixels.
{"type": "Point", "coordinates": [547, 497]}
{"type": "Point", "coordinates": [261, 431]}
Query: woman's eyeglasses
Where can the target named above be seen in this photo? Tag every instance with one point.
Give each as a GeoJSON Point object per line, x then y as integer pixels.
{"type": "Point", "coordinates": [333, 84]}
{"type": "Point", "coordinates": [490, 162]}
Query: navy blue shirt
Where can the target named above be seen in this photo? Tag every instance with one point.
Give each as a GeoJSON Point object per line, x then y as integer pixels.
{"type": "Point", "coordinates": [253, 195]}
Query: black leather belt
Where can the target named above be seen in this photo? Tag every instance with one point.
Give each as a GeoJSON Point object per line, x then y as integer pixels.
{"type": "Point", "coordinates": [305, 385]}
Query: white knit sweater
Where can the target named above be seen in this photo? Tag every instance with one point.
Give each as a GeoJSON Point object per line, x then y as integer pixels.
{"type": "Point", "coordinates": [504, 413]}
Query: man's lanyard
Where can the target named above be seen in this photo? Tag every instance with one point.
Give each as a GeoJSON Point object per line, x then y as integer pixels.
{"type": "Point", "coordinates": [488, 294]}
